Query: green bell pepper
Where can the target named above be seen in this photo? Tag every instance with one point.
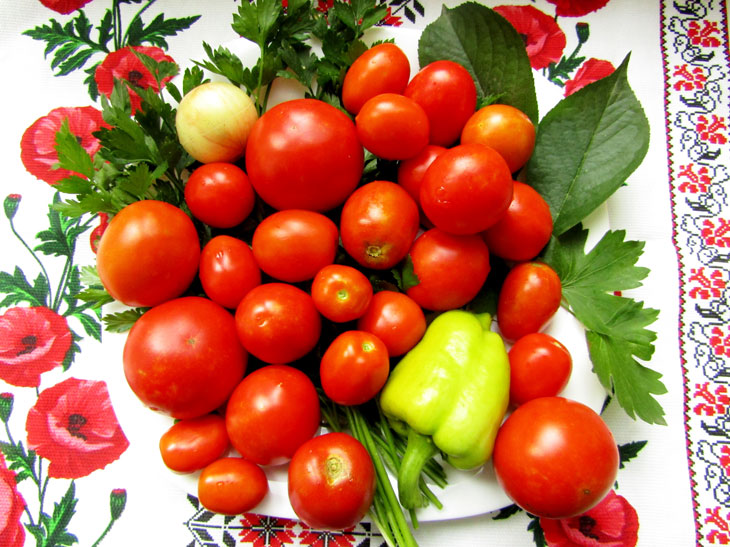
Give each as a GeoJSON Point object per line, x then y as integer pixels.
{"type": "Point", "coordinates": [449, 394]}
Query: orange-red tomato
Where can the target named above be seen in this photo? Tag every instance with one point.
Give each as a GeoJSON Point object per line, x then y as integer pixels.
{"type": "Point", "coordinates": [228, 270]}
{"type": "Point", "coordinates": [219, 194]}
{"type": "Point", "coordinates": [396, 319]}
{"type": "Point", "coordinates": [540, 366]}
{"type": "Point", "coordinates": [192, 444]}
{"type": "Point", "coordinates": [232, 486]}
{"type": "Point", "coordinates": [341, 293]}
{"type": "Point", "coordinates": [384, 68]}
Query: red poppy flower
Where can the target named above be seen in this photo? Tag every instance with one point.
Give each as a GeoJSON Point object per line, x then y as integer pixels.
{"type": "Point", "coordinates": [544, 39]}
{"type": "Point", "coordinates": [12, 532]}
{"type": "Point", "coordinates": [576, 8]}
{"type": "Point", "coordinates": [74, 427]}
{"type": "Point", "coordinates": [123, 64]}
{"type": "Point", "coordinates": [64, 6]}
{"type": "Point", "coordinates": [611, 523]}
{"type": "Point", "coordinates": [37, 146]}
{"type": "Point", "coordinates": [32, 341]}
{"type": "Point", "coordinates": [589, 72]}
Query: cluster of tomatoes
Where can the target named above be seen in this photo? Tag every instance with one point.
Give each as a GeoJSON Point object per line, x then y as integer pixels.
{"type": "Point", "coordinates": [273, 293]}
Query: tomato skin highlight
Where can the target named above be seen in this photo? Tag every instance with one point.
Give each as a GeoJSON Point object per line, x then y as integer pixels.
{"type": "Point", "coordinates": [540, 366]}
{"type": "Point", "coordinates": [384, 68]}
{"type": "Point", "coordinates": [219, 194]}
{"type": "Point", "coordinates": [189, 445]}
{"type": "Point", "coordinates": [396, 319]}
{"type": "Point", "coordinates": [341, 293]}
{"type": "Point", "coordinates": [232, 486]}
{"type": "Point", "coordinates": [228, 270]}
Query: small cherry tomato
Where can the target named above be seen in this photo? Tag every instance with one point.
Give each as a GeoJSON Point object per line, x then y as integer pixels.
{"type": "Point", "coordinates": [228, 270]}
{"type": "Point", "coordinates": [231, 486]}
{"type": "Point", "coordinates": [294, 244]}
{"type": "Point", "coordinates": [219, 194]}
{"type": "Point", "coordinates": [529, 297]}
{"type": "Point", "coordinates": [384, 68]}
{"type": "Point", "coordinates": [540, 366]}
{"type": "Point", "coordinates": [411, 172]}
{"type": "Point", "coordinates": [396, 319]}
{"type": "Point", "coordinates": [192, 444]}
{"type": "Point", "coordinates": [341, 293]}
{"type": "Point", "coordinates": [354, 367]}
{"type": "Point", "coordinates": [331, 481]}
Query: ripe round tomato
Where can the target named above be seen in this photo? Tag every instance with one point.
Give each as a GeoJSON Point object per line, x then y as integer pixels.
{"type": "Point", "coordinates": [451, 269]}
{"type": "Point", "coordinates": [219, 194]}
{"type": "Point", "coordinates": [555, 458]}
{"type": "Point", "coordinates": [529, 297]}
{"type": "Point", "coordinates": [228, 270]}
{"type": "Point", "coordinates": [354, 367]}
{"type": "Point", "coordinates": [396, 319]}
{"type": "Point", "coordinates": [341, 293]}
{"type": "Point", "coordinates": [540, 366]}
{"type": "Point", "coordinates": [271, 413]}
{"type": "Point", "coordinates": [383, 68]}
{"type": "Point", "coordinates": [378, 224]}
{"type": "Point", "coordinates": [392, 126]}
{"type": "Point", "coordinates": [506, 129]}
{"type": "Point", "coordinates": [466, 189]}
{"type": "Point", "coordinates": [304, 154]}
{"type": "Point", "coordinates": [192, 444]}
{"type": "Point", "coordinates": [331, 481]}
{"type": "Point", "coordinates": [447, 93]}
{"type": "Point", "coordinates": [524, 229]}
{"type": "Point", "coordinates": [411, 171]}
{"type": "Point", "coordinates": [183, 357]}
{"type": "Point", "coordinates": [148, 254]}
{"type": "Point", "coordinates": [232, 486]}
{"type": "Point", "coordinates": [278, 322]}
{"type": "Point", "coordinates": [293, 245]}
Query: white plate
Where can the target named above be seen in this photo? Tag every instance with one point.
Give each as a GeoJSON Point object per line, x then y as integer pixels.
{"type": "Point", "coordinates": [468, 493]}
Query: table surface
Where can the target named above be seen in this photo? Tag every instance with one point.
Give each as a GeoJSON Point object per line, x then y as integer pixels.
{"type": "Point", "coordinates": [108, 485]}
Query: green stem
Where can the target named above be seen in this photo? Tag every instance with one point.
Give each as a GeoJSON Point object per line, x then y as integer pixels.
{"type": "Point", "coordinates": [419, 450]}
{"type": "Point", "coordinates": [117, 24]}
{"type": "Point", "coordinates": [137, 15]}
{"type": "Point", "coordinates": [35, 257]}
{"type": "Point", "coordinates": [104, 533]}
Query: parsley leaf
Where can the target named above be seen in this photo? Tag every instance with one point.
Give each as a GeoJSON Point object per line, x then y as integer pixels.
{"type": "Point", "coordinates": [122, 321]}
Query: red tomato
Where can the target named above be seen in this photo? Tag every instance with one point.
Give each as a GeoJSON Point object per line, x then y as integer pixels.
{"type": "Point", "coordinates": [341, 293]}
{"type": "Point", "coordinates": [293, 245]}
{"type": "Point", "coordinates": [383, 68]}
{"type": "Point", "coordinates": [219, 194]}
{"type": "Point", "coordinates": [451, 269]}
{"type": "Point", "coordinates": [396, 319]}
{"type": "Point", "coordinates": [271, 413]}
{"type": "Point", "coordinates": [228, 270]}
{"type": "Point", "coordinates": [506, 129]}
{"type": "Point", "coordinates": [524, 229]}
{"type": "Point", "coordinates": [148, 254]}
{"type": "Point", "coordinates": [411, 172]}
{"type": "Point", "coordinates": [466, 189]}
{"type": "Point", "coordinates": [378, 224]}
{"type": "Point", "coordinates": [278, 322]}
{"type": "Point", "coordinates": [232, 486]}
{"type": "Point", "coordinates": [304, 154]}
{"type": "Point", "coordinates": [555, 458]}
{"type": "Point", "coordinates": [192, 444]}
{"type": "Point", "coordinates": [540, 366]}
{"type": "Point", "coordinates": [392, 126]}
{"type": "Point", "coordinates": [529, 297]}
{"type": "Point", "coordinates": [183, 357]}
{"type": "Point", "coordinates": [354, 367]}
{"type": "Point", "coordinates": [331, 481]}
{"type": "Point", "coordinates": [447, 93]}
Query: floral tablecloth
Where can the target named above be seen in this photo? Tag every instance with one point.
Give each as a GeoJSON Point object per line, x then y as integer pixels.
{"type": "Point", "coordinates": [72, 468]}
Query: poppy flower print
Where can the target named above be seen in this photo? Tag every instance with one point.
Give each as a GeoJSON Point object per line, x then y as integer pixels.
{"type": "Point", "coordinates": [576, 8]}
{"type": "Point", "coordinates": [64, 6]}
{"type": "Point", "coordinates": [590, 71]}
{"type": "Point", "coordinates": [74, 427]}
{"type": "Point", "coordinates": [12, 531]}
{"type": "Point", "coordinates": [544, 39]}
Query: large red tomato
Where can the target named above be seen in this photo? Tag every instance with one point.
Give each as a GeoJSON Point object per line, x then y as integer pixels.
{"type": "Point", "coordinates": [183, 357]}
{"type": "Point", "coordinates": [228, 270]}
{"type": "Point", "coordinates": [304, 154]}
{"type": "Point", "coordinates": [148, 254]}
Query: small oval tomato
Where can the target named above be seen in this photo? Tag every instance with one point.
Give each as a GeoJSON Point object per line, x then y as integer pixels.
{"type": "Point", "coordinates": [271, 413]}
{"type": "Point", "coordinates": [228, 270]}
{"type": "Point", "coordinates": [525, 227]}
{"type": "Point", "coordinates": [219, 194]}
{"type": "Point", "coordinates": [540, 366]}
{"type": "Point", "coordinates": [354, 367]}
{"type": "Point", "coordinates": [396, 319]}
{"type": "Point", "coordinates": [331, 481]}
{"type": "Point", "coordinates": [378, 224]}
{"type": "Point", "coordinates": [384, 68]}
{"type": "Point", "coordinates": [341, 293]}
{"type": "Point", "coordinates": [278, 322]}
{"type": "Point", "coordinates": [555, 458]}
{"type": "Point", "coordinates": [529, 297]}
{"type": "Point", "coordinates": [439, 260]}
{"type": "Point", "coordinates": [148, 254]}
{"type": "Point", "coordinates": [392, 126]}
{"type": "Point", "coordinates": [447, 93]}
{"type": "Point", "coordinates": [232, 486]}
{"type": "Point", "coordinates": [192, 444]}
{"type": "Point", "coordinates": [506, 129]}
{"type": "Point", "coordinates": [293, 245]}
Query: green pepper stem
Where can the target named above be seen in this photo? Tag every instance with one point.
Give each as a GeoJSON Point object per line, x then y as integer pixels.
{"type": "Point", "coordinates": [419, 450]}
